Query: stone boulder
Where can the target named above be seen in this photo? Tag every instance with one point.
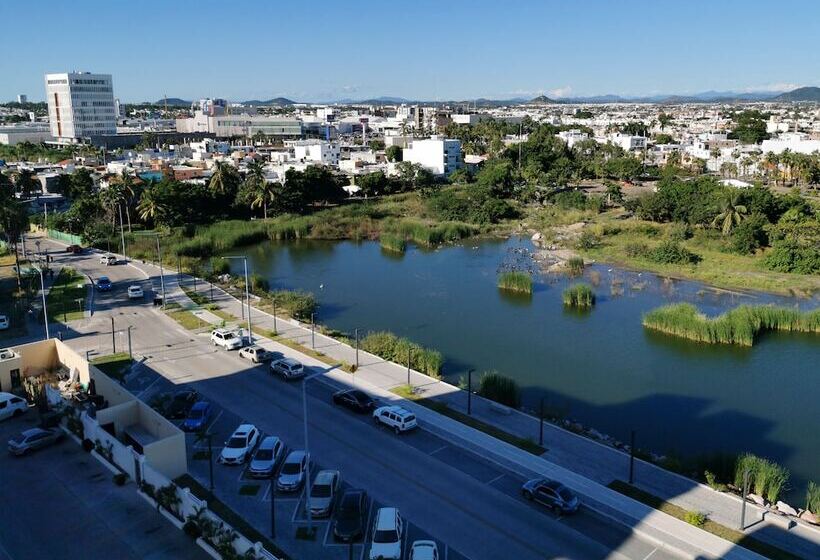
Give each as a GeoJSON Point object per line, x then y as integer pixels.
{"type": "Point", "coordinates": [757, 499]}
{"type": "Point", "coordinates": [810, 517]}
{"type": "Point", "coordinates": [783, 507]}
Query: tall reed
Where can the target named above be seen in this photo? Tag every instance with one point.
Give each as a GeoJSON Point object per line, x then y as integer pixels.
{"type": "Point", "coordinates": [397, 349]}
{"type": "Point", "coordinates": [392, 242]}
{"type": "Point", "coordinates": [740, 326]}
{"type": "Point", "coordinates": [579, 295]}
{"type": "Point", "coordinates": [515, 282]}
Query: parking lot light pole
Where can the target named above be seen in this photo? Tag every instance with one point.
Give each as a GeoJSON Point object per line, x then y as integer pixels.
{"type": "Point", "coordinates": [313, 331]}
{"type": "Point", "coordinates": [43, 290]}
{"type": "Point", "coordinates": [470, 391]}
{"type": "Point", "coordinates": [247, 292]}
{"type": "Point", "coordinates": [632, 456]}
{"type": "Point", "coordinates": [357, 348]}
{"type": "Point", "coordinates": [113, 337]}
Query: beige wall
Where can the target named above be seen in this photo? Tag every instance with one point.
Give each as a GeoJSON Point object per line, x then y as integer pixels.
{"type": "Point", "coordinates": [168, 455]}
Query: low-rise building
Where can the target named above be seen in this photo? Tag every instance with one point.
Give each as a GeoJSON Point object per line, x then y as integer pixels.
{"type": "Point", "coordinates": [319, 151]}
{"type": "Point", "coordinates": [438, 155]}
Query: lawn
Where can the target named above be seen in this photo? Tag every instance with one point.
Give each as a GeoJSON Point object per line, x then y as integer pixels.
{"type": "Point", "coordinates": [187, 319]}
{"type": "Point", "coordinates": [710, 526]}
{"type": "Point", "coordinates": [114, 365]}
{"type": "Point", "coordinates": [62, 301]}
{"type": "Point", "coordinates": [529, 446]}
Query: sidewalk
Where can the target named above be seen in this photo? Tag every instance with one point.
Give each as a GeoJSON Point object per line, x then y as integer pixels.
{"type": "Point", "coordinates": [583, 464]}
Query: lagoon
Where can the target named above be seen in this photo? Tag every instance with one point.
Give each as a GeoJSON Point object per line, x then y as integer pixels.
{"type": "Point", "coordinates": [600, 367]}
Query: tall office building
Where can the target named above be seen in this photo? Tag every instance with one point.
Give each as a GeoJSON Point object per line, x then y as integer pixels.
{"type": "Point", "coordinates": [80, 105]}
{"type": "Point", "coordinates": [22, 98]}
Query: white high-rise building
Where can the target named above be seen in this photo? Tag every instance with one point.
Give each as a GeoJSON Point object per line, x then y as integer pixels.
{"type": "Point", "coordinates": [438, 155]}
{"type": "Point", "coordinates": [80, 105]}
{"type": "Point", "coordinates": [22, 98]}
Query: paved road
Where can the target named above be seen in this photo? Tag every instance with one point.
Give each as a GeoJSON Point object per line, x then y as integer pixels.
{"type": "Point", "coordinates": [61, 503]}
{"type": "Point", "coordinates": [449, 493]}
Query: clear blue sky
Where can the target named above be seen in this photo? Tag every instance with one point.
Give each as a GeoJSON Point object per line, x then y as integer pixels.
{"type": "Point", "coordinates": [456, 49]}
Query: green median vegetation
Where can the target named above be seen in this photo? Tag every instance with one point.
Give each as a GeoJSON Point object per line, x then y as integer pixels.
{"type": "Point", "coordinates": [406, 392]}
{"type": "Point", "coordinates": [62, 299]}
{"type": "Point", "coordinates": [519, 282]}
{"type": "Point", "coordinates": [579, 295]}
{"type": "Point", "coordinates": [702, 521]}
{"type": "Point", "coordinates": [114, 365]}
{"type": "Point", "coordinates": [739, 326]}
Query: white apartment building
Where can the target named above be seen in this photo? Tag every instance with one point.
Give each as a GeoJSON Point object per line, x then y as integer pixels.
{"type": "Point", "coordinates": [80, 105]}
{"type": "Point", "coordinates": [438, 155]}
{"type": "Point", "coordinates": [628, 142]}
{"type": "Point", "coordinates": [319, 151]}
{"type": "Point", "coordinates": [792, 141]}
{"type": "Point", "coordinates": [572, 137]}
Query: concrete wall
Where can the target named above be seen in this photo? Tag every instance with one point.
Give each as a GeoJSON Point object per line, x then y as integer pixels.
{"type": "Point", "coordinates": [167, 455]}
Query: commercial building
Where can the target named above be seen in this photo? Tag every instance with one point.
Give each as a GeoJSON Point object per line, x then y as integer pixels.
{"type": "Point", "coordinates": [225, 126]}
{"type": "Point", "coordinates": [11, 135]}
{"type": "Point", "coordinates": [80, 105]}
{"type": "Point", "coordinates": [438, 155]}
{"type": "Point", "coordinates": [22, 98]}
{"type": "Point", "coordinates": [572, 137]}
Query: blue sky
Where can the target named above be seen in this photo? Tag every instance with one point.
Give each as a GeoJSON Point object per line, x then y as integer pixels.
{"type": "Point", "coordinates": [461, 49]}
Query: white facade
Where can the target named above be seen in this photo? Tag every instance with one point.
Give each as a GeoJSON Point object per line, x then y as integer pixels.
{"type": "Point", "coordinates": [80, 105]}
{"type": "Point", "coordinates": [224, 126]}
{"type": "Point", "coordinates": [628, 142]}
{"type": "Point", "coordinates": [437, 155]}
{"type": "Point", "coordinates": [572, 137]}
{"type": "Point", "coordinates": [792, 141]}
{"type": "Point", "coordinates": [11, 135]}
{"type": "Point", "coordinates": [319, 151]}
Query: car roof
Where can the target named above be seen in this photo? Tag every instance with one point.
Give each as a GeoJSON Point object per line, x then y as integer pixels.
{"type": "Point", "coordinates": [290, 361]}
{"type": "Point", "coordinates": [554, 484]}
{"type": "Point", "coordinates": [386, 518]}
{"type": "Point", "coordinates": [268, 442]}
{"type": "Point", "coordinates": [295, 456]}
{"type": "Point", "coordinates": [397, 410]}
{"type": "Point", "coordinates": [198, 405]}
{"type": "Point", "coordinates": [103, 278]}
{"type": "Point", "coordinates": [132, 286]}
{"type": "Point", "coordinates": [423, 550]}
{"type": "Point", "coordinates": [32, 431]}
{"type": "Point", "coordinates": [324, 477]}
{"type": "Point", "coordinates": [243, 429]}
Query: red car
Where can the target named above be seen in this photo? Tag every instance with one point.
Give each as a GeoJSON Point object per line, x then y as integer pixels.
{"type": "Point", "coordinates": [75, 249]}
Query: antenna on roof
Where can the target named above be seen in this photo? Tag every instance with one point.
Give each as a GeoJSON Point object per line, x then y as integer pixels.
{"type": "Point", "coordinates": [166, 102]}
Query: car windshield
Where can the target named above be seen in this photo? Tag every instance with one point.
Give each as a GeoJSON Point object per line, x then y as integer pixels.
{"type": "Point", "coordinates": [386, 536]}
{"type": "Point", "coordinates": [291, 468]}
{"type": "Point", "coordinates": [195, 414]}
{"type": "Point", "coordinates": [237, 442]}
{"type": "Point", "coordinates": [565, 494]}
{"type": "Point", "coordinates": [349, 506]}
{"type": "Point", "coordinates": [228, 335]}
{"type": "Point", "coordinates": [264, 454]}
{"type": "Point", "coordinates": [409, 418]}
{"type": "Point", "coordinates": [20, 438]}
{"type": "Point", "coordinates": [320, 491]}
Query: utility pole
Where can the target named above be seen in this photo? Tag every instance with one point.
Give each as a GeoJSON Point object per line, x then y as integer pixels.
{"type": "Point", "coordinates": [312, 331]}
{"type": "Point", "coordinates": [743, 499]}
{"type": "Point", "coordinates": [122, 234]}
{"type": "Point", "coordinates": [470, 391]}
{"type": "Point", "coordinates": [276, 330]}
{"type": "Point", "coordinates": [113, 338]}
{"type": "Point", "coordinates": [43, 291]}
{"type": "Point", "coordinates": [408, 367]}
{"type": "Point", "coordinates": [272, 510]}
{"type": "Point", "coordinates": [130, 353]}
{"type": "Point", "coordinates": [161, 273]}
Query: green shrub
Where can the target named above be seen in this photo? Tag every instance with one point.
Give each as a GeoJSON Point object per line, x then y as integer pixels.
{"type": "Point", "coordinates": [515, 282]}
{"type": "Point", "coordinates": [579, 295]}
{"type": "Point", "coordinates": [696, 518]}
{"type": "Point", "coordinates": [575, 266]}
{"type": "Point", "coordinates": [259, 283]}
{"type": "Point", "coordinates": [295, 303]}
{"type": "Point", "coordinates": [588, 240]}
{"type": "Point", "coordinates": [500, 389]}
{"type": "Point", "coordinates": [395, 349]}
{"type": "Point", "coordinates": [712, 482]}
{"type": "Point", "coordinates": [636, 250]}
{"type": "Point", "coordinates": [671, 252]}
{"type": "Point", "coordinates": [813, 498]}
{"type": "Point", "coordinates": [391, 242]}
{"type": "Point", "coordinates": [791, 256]}
{"type": "Point", "coordinates": [680, 232]}
{"type": "Point", "coordinates": [750, 235]}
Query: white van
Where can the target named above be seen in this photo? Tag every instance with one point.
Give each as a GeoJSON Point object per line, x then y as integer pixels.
{"type": "Point", "coordinates": [11, 405]}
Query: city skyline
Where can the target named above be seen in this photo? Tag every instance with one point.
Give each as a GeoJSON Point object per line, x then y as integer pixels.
{"type": "Point", "coordinates": [355, 52]}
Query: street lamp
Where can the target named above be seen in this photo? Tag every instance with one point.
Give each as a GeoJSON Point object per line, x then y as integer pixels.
{"type": "Point", "coordinates": [247, 292]}
{"type": "Point", "coordinates": [43, 290]}
{"type": "Point", "coordinates": [470, 391]}
{"type": "Point", "coordinates": [161, 272]}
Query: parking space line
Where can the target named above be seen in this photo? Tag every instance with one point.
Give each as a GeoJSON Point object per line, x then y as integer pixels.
{"type": "Point", "coordinates": [370, 513]}
{"type": "Point", "coordinates": [496, 479]}
{"type": "Point", "coordinates": [217, 417]}
{"type": "Point", "coordinates": [654, 550]}
{"type": "Point", "coordinates": [442, 448]}
{"type": "Point", "coordinates": [267, 492]}
{"type": "Point", "coordinates": [149, 386]}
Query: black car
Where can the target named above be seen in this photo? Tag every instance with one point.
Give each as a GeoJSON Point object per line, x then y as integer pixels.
{"type": "Point", "coordinates": [354, 399]}
{"type": "Point", "coordinates": [351, 516]}
{"type": "Point", "coordinates": [180, 403]}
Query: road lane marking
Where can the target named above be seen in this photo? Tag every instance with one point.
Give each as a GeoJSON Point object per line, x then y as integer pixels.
{"type": "Point", "coordinates": [442, 448]}
{"type": "Point", "coordinates": [654, 550]}
{"type": "Point", "coordinates": [496, 479]}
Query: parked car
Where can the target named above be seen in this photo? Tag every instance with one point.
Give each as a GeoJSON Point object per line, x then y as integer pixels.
{"type": "Point", "coordinates": [256, 354]}
{"type": "Point", "coordinates": [396, 417]}
{"type": "Point", "coordinates": [34, 439]}
{"type": "Point", "coordinates": [4, 322]}
{"type": "Point", "coordinates": [104, 284]}
{"type": "Point", "coordinates": [351, 515]}
{"type": "Point", "coordinates": [74, 249]}
{"type": "Point", "coordinates": [240, 446]}
{"type": "Point", "coordinates": [293, 472]}
{"type": "Point", "coordinates": [108, 260]}
{"type": "Point", "coordinates": [387, 535]}
{"type": "Point", "coordinates": [288, 368]}
{"type": "Point", "coordinates": [424, 550]}
{"type": "Point", "coordinates": [229, 340]}
{"type": "Point", "coordinates": [11, 405]}
{"type": "Point", "coordinates": [267, 457]}
{"type": "Point", "coordinates": [552, 494]}
{"type": "Point", "coordinates": [178, 404]}
{"type": "Point", "coordinates": [355, 400]}
{"type": "Point", "coordinates": [135, 292]}
{"type": "Point", "coordinates": [323, 492]}
{"type": "Point", "coordinates": [197, 417]}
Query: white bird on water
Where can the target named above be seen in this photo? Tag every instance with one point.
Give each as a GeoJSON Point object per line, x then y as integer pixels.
{"type": "Point", "coordinates": [321, 286]}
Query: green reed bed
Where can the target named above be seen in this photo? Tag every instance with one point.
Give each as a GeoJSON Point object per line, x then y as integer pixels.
{"type": "Point", "coordinates": [397, 349]}
{"type": "Point", "coordinates": [738, 326]}
{"type": "Point", "coordinates": [520, 282]}
{"type": "Point", "coordinates": [392, 242]}
{"type": "Point", "coordinates": [579, 295]}
{"type": "Point", "coordinates": [428, 235]}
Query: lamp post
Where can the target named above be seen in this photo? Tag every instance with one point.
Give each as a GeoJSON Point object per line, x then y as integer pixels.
{"type": "Point", "coordinates": [357, 348]}
{"type": "Point", "coordinates": [247, 292]}
{"type": "Point", "coordinates": [470, 391]}
{"type": "Point", "coordinates": [43, 290]}
{"type": "Point", "coordinates": [161, 271]}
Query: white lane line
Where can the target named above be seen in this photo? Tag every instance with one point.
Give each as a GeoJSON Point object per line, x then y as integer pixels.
{"type": "Point", "coordinates": [267, 492]}
{"type": "Point", "coordinates": [496, 479]}
{"type": "Point", "coordinates": [213, 422]}
{"type": "Point", "coordinates": [141, 393]}
{"type": "Point", "coordinates": [654, 550]}
{"type": "Point", "coordinates": [442, 448]}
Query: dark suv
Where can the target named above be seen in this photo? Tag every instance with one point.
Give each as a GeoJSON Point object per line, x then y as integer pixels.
{"type": "Point", "coordinates": [351, 516]}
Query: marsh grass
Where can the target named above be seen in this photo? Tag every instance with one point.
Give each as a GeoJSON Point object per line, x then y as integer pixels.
{"type": "Point", "coordinates": [766, 478]}
{"type": "Point", "coordinates": [429, 235]}
{"type": "Point", "coordinates": [520, 282]}
{"type": "Point", "coordinates": [499, 388]}
{"type": "Point", "coordinates": [397, 349]}
{"type": "Point", "coordinates": [739, 326]}
{"type": "Point", "coordinates": [813, 498]}
{"type": "Point", "coordinates": [579, 295]}
{"type": "Point", "coordinates": [575, 266]}
{"type": "Point", "coordinates": [392, 242]}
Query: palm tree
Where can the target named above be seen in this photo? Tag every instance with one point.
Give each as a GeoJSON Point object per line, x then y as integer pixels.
{"type": "Point", "coordinates": [223, 179]}
{"type": "Point", "coordinates": [149, 207]}
{"type": "Point", "coordinates": [731, 214]}
{"type": "Point", "coordinates": [127, 187]}
{"type": "Point", "coordinates": [264, 193]}
{"type": "Point", "coordinates": [110, 198]}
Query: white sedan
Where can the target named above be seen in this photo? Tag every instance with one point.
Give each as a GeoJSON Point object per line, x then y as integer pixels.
{"type": "Point", "coordinates": [135, 292]}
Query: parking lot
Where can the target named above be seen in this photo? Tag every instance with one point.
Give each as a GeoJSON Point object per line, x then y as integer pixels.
{"type": "Point", "coordinates": [60, 502]}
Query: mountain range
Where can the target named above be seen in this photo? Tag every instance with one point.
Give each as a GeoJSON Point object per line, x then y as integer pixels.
{"type": "Point", "coordinates": [802, 94]}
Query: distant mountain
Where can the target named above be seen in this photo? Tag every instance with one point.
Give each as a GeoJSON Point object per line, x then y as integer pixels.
{"type": "Point", "coordinates": [173, 101]}
{"type": "Point", "coordinates": [800, 94]}
{"type": "Point", "coordinates": [278, 101]}
{"type": "Point", "coordinates": [541, 100]}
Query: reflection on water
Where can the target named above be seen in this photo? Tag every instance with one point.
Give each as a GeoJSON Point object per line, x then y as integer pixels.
{"type": "Point", "coordinates": [600, 367]}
